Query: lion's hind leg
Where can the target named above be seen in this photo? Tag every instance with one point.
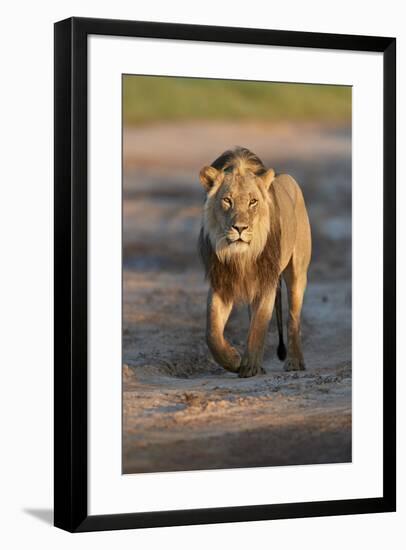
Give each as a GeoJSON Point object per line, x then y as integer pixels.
{"type": "Point", "coordinates": [296, 284]}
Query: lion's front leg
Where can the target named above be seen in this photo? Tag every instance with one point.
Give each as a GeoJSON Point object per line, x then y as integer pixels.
{"type": "Point", "coordinates": [218, 312]}
{"type": "Point", "coordinates": [261, 313]}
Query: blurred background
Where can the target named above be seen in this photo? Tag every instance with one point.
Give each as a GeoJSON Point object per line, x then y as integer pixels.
{"type": "Point", "coordinates": [149, 99]}
{"type": "Point", "coordinates": [171, 128]}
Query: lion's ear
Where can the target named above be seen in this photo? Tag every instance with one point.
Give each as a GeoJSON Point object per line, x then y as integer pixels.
{"type": "Point", "coordinates": [208, 175]}
{"type": "Point", "coordinates": [268, 178]}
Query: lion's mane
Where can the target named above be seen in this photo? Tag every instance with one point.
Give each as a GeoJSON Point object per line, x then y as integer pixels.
{"type": "Point", "coordinates": [244, 277]}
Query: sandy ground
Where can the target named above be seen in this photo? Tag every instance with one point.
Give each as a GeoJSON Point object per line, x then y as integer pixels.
{"type": "Point", "coordinates": [180, 410]}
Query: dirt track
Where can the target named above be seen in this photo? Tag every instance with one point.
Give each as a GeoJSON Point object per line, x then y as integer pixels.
{"type": "Point", "coordinates": [182, 411]}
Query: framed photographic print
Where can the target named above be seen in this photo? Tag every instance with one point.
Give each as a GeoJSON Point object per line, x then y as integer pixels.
{"type": "Point", "coordinates": [224, 274]}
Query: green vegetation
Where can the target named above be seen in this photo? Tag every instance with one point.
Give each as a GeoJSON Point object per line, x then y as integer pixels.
{"type": "Point", "coordinates": [152, 98]}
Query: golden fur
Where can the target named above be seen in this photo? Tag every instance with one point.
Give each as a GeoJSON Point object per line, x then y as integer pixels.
{"type": "Point", "coordinates": [249, 237]}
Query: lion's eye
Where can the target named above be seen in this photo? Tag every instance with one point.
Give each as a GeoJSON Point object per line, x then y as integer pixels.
{"type": "Point", "coordinates": [227, 201]}
{"type": "Point", "coordinates": [253, 201]}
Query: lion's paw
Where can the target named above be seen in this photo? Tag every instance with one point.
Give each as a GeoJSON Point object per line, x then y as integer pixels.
{"type": "Point", "coordinates": [233, 361]}
{"type": "Point", "coordinates": [250, 368]}
{"type": "Point", "coordinates": [292, 364]}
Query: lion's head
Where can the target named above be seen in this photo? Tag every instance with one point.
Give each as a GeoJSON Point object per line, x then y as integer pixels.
{"type": "Point", "coordinates": [237, 213]}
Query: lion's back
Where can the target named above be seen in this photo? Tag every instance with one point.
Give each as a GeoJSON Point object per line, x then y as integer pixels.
{"type": "Point", "coordinates": [294, 218]}
{"type": "Point", "coordinates": [284, 183]}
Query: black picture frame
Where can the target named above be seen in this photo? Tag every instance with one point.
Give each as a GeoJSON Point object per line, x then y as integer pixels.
{"type": "Point", "coordinates": [70, 269]}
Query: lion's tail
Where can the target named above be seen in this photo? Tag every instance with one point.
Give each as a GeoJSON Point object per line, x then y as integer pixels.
{"type": "Point", "coordinates": [281, 351]}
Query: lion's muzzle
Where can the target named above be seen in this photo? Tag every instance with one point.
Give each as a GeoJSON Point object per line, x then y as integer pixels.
{"type": "Point", "coordinates": [239, 233]}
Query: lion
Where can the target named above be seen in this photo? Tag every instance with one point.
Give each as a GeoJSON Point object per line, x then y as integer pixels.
{"type": "Point", "coordinates": [255, 232]}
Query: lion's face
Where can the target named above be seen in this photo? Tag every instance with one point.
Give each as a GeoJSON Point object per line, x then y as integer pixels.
{"type": "Point", "coordinates": [236, 216]}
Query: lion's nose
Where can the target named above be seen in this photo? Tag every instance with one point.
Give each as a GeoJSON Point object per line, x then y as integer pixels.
{"type": "Point", "coordinates": [239, 227]}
